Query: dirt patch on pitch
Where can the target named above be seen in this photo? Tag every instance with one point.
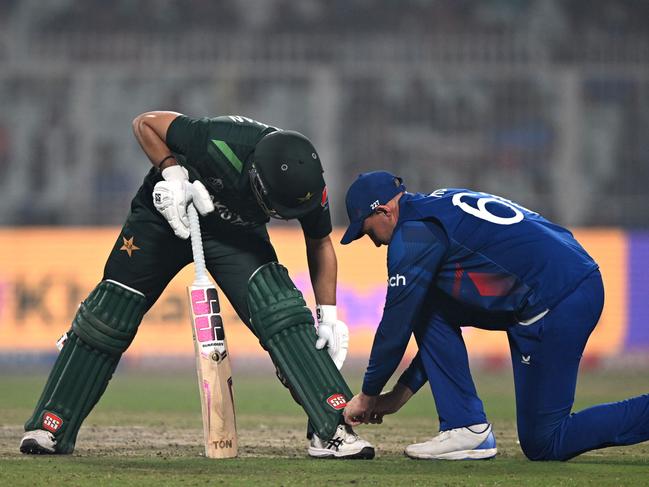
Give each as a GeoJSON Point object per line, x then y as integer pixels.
{"type": "Point", "coordinates": [255, 440]}
{"type": "Point", "coordinates": [166, 442]}
{"type": "Point", "coordinates": [170, 442]}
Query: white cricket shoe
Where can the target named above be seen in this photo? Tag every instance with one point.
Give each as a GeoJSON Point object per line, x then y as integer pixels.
{"type": "Point", "coordinates": [476, 442]}
{"type": "Point", "coordinates": [345, 444]}
{"type": "Point", "coordinates": [38, 442]}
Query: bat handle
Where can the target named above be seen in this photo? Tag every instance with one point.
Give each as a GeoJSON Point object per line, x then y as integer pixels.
{"type": "Point", "coordinates": [200, 276]}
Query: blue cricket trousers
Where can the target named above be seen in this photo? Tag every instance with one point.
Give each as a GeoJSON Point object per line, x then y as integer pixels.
{"type": "Point", "coordinates": [545, 358]}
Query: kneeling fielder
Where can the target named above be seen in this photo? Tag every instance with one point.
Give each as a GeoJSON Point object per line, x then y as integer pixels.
{"type": "Point", "coordinates": [458, 257]}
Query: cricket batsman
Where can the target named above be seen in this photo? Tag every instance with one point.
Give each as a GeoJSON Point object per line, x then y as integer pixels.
{"type": "Point", "coordinates": [458, 257]}
{"type": "Point", "coordinates": [238, 173]}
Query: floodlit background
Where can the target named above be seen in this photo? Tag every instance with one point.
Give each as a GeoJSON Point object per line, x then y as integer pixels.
{"type": "Point", "coordinates": [545, 102]}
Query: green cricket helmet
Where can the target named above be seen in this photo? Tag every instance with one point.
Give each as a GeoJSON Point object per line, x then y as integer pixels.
{"type": "Point", "coordinates": [286, 175]}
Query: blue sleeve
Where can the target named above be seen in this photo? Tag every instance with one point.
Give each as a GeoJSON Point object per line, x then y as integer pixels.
{"type": "Point", "coordinates": [414, 377]}
{"type": "Point", "coordinates": [414, 254]}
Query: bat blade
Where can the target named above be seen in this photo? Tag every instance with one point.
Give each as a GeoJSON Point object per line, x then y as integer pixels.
{"type": "Point", "coordinates": [214, 373]}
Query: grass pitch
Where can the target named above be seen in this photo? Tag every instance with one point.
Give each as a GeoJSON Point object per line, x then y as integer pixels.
{"type": "Point", "coordinates": [147, 431]}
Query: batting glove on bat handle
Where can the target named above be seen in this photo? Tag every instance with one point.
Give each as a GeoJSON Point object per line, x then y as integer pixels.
{"type": "Point", "coordinates": [171, 197]}
{"type": "Point", "coordinates": [333, 333]}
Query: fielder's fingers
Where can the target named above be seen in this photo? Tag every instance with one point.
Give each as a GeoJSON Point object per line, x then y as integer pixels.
{"type": "Point", "coordinates": [346, 417]}
{"type": "Point", "coordinates": [376, 418]}
{"type": "Point", "coordinates": [351, 420]}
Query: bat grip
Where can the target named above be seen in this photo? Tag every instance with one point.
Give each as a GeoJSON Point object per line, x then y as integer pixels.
{"type": "Point", "coordinates": [200, 276]}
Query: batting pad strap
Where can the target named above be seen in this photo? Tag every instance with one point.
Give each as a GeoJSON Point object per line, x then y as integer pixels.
{"type": "Point", "coordinates": [285, 328]}
{"type": "Point", "coordinates": [285, 314]}
{"type": "Point", "coordinates": [108, 319]}
{"type": "Point", "coordinates": [275, 303]}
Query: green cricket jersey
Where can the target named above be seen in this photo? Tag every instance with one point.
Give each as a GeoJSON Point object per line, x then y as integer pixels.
{"type": "Point", "coordinates": [219, 152]}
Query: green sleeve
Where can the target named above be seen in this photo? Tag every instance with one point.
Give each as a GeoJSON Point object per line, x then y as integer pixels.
{"type": "Point", "coordinates": [317, 223]}
{"type": "Point", "coordinates": [186, 135]}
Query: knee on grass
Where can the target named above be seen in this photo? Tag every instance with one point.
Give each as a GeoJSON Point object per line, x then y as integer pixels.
{"type": "Point", "coordinates": [538, 448]}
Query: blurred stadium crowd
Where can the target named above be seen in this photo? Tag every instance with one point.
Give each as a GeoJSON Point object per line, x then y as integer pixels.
{"type": "Point", "coordinates": [543, 101]}
{"type": "Point", "coordinates": [333, 16]}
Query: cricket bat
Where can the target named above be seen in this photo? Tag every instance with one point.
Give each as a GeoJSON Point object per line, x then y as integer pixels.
{"type": "Point", "coordinates": [212, 358]}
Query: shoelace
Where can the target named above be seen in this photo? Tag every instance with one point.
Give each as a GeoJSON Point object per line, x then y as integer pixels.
{"type": "Point", "coordinates": [348, 434]}
{"type": "Point", "coordinates": [443, 436]}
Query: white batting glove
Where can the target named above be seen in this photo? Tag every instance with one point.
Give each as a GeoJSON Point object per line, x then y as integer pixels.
{"type": "Point", "coordinates": [333, 333]}
{"type": "Point", "coordinates": [171, 197]}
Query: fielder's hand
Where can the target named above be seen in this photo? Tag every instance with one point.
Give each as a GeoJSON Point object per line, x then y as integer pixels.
{"type": "Point", "coordinates": [171, 197]}
{"type": "Point", "coordinates": [333, 333]}
{"type": "Point", "coordinates": [358, 409]}
{"type": "Point", "coordinates": [389, 403]}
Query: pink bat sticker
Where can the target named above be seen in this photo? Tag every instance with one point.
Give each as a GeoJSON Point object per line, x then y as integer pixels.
{"type": "Point", "coordinates": [200, 305]}
{"type": "Point", "coordinates": [204, 329]}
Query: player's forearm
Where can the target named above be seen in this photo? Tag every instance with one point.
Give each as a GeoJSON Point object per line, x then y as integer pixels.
{"type": "Point", "coordinates": [323, 269]}
{"type": "Point", "coordinates": [150, 130]}
{"type": "Point", "coordinates": [400, 395]}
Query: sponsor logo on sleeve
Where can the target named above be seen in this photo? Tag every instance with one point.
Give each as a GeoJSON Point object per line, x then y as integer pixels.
{"type": "Point", "coordinates": [397, 280]}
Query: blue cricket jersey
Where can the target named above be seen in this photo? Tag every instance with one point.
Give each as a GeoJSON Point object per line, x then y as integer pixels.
{"type": "Point", "coordinates": [481, 253]}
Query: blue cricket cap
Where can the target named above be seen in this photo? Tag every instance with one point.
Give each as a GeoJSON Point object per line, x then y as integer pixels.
{"type": "Point", "coordinates": [371, 189]}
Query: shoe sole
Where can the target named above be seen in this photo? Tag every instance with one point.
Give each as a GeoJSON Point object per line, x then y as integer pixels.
{"type": "Point", "coordinates": [31, 447]}
{"type": "Point", "coordinates": [486, 454]}
{"type": "Point", "coordinates": [366, 453]}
